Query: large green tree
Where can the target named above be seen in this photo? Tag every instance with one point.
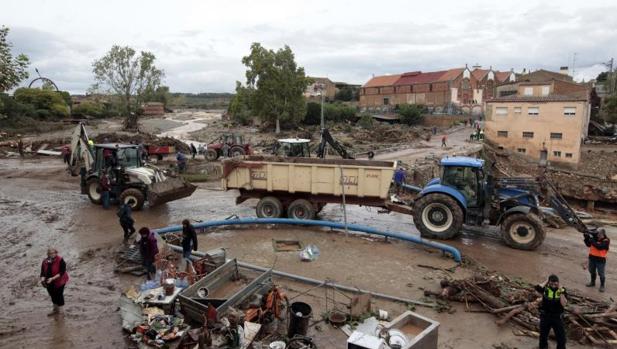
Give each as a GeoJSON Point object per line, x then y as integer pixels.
{"type": "Point", "coordinates": [609, 109]}
{"type": "Point", "coordinates": [12, 69]}
{"type": "Point", "coordinates": [275, 84]}
{"type": "Point", "coordinates": [130, 76]}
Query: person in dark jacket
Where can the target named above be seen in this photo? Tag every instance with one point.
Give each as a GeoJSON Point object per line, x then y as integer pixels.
{"type": "Point", "coordinates": [400, 177]}
{"type": "Point", "coordinates": [105, 186]}
{"type": "Point", "coordinates": [189, 239]}
{"type": "Point", "coordinates": [148, 247]}
{"type": "Point", "coordinates": [126, 219]}
{"type": "Point", "coordinates": [598, 249]}
{"type": "Point", "coordinates": [54, 277]}
{"type": "Point", "coordinates": [552, 307]}
{"type": "Point", "coordinates": [193, 150]}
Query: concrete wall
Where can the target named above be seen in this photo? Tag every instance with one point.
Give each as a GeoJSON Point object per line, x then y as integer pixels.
{"type": "Point", "coordinates": [551, 119]}
{"type": "Point", "coordinates": [443, 120]}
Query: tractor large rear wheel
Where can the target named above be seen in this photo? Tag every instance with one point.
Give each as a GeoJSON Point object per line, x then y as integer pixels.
{"type": "Point", "coordinates": [211, 155]}
{"type": "Point", "coordinates": [301, 209]}
{"type": "Point", "coordinates": [92, 188]}
{"type": "Point", "coordinates": [134, 195]}
{"type": "Point", "coordinates": [523, 231]}
{"type": "Point", "coordinates": [438, 216]}
{"type": "Point", "coordinates": [236, 151]}
{"type": "Point", "coordinates": [269, 207]}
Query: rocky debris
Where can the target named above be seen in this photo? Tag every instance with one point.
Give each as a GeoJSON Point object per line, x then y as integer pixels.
{"type": "Point", "coordinates": [141, 138]}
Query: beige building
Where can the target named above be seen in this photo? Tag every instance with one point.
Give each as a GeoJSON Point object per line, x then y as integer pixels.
{"type": "Point", "coordinates": [319, 86]}
{"type": "Point", "coordinates": [539, 125]}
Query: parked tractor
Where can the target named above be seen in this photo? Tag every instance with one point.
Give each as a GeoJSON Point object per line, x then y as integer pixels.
{"type": "Point", "coordinates": [132, 180]}
{"type": "Point", "coordinates": [227, 145]}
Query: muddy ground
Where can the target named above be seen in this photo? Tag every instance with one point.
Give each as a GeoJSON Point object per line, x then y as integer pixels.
{"type": "Point", "coordinates": [40, 206]}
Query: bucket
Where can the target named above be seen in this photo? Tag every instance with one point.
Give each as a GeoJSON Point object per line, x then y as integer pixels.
{"type": "Point", "coordinates": [169, 287]}
{"type": "Point", "coordinates": [299, 315]}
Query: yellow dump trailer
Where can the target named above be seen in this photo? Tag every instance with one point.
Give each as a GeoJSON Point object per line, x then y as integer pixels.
{"type": "Point", "coordinates": [301, 187]}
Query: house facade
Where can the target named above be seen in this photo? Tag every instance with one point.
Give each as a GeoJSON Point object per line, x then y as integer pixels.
{"type": "Point", "coordinates": [459, 87]}
{"type": "Point", "coordinates": [551, 126]}
{"type": "Point", "coordinates": [314, 90]}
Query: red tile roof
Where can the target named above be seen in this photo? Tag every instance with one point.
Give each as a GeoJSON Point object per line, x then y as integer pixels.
{"type": "Point", "coordinates": [451, 74]}
{"type": "Point", "coordinates": [417, 77]}
{"type": "Point", "coordinates": [479, 74]}
{"type": "Point", "coordinates": [502, 76]}
{"type": "Point", "coordinates": [383, 80]}
{"type": "Point", "coordinates": [551, 98]}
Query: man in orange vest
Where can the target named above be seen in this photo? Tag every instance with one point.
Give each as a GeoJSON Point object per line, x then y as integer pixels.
{"type": "Point", "coordinates": [598, 249]}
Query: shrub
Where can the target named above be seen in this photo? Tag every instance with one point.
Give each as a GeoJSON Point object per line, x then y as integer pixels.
{"type": "Point", "coordinates": [59, 109]}
{"type": "Point", "coordinates": [339, 112]}
{"type": "Point", "coordinates": [313, 114]}
{"type": "Point", "coordinates": [53, 102]}
{"type": "Point", "coordinates": [366, 121]}
{"type": "Point", "coordinates": [411, 114]}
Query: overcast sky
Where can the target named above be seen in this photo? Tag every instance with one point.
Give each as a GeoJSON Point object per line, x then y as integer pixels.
{"type": "Point", "coordinates": [200, 43]}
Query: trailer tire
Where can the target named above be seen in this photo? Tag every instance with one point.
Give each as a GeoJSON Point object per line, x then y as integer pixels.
{"type": "Point", "coordinates": [269, 207]}
{"type": "Point", "coordinates": [137, 195]}
{"type": "Point", "coordinates": [211, 155]}
{"type": "Point", "coordinates": [236, 151]}
{"type": "Point", "coordinates": [301, 209]}
{"type": "Point", "coordinates": [92, 188]}
{"type": "Point", "coordinates": [523, 231]}
{"type": "Point", "coordinates": [438, 216]}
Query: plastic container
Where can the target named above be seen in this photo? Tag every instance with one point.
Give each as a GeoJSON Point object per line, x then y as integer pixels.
{"type": "Point", "coordinates": [299, 316]}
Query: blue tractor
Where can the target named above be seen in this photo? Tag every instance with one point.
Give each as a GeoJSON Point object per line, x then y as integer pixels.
{"type": "Point", "coordinates": [467, 194]}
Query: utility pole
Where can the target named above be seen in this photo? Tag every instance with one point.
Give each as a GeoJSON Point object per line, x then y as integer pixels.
{"type": "Point", "coordinates": [611, 77]}
{"type": "Point", "coordinates": [322, 87]}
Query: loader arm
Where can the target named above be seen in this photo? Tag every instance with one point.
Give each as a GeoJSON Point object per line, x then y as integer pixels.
{"type": "Point", "coordinates": [558, 203]}
{"type": "Point", "coordinates": [326, 138]}
{"type": "Point", "coordinates": [80, 150]}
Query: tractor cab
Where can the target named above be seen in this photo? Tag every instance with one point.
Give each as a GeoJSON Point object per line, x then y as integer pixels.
{"type": "Point", "coordinates": [292, 147]}
{"type": "Point", "coordinates": [116, 155]}
{"type": "Point", "coordinates": [466, 175]}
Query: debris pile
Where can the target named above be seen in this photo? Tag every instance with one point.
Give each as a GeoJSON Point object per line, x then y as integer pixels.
{"type": "Point", "coordinates": [587, 321]}
{"type": "Point", "coordinates": [141, 138]}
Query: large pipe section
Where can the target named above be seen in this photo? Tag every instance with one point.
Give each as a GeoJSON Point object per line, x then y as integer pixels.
{"type": "Point", "coordinates": [353, 227]}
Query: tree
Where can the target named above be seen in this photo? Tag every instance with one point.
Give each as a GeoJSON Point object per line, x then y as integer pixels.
{"type": "Point", "coordinates": [609, 109]}
{"type": "Point", "coordinates": [129, 76]}
{"type": "Point", "coordinates": [12, 69]}
{"type": "Point", "coordinates": [46, 103]}
{"type": "Point", "coordinates": [276, 84]}
{"type": "Point", "coordinates": [411, 114]}
{"type": "Point", "coordinates": [240, 107]}
{"type": "Point", "coordinates": [345, 94]}
{"type": "Point", "coordinates": [160, 94]}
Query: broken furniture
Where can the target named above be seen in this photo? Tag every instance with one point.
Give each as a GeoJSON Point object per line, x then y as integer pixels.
{"type": "Point", "coordinates": [220, 290]}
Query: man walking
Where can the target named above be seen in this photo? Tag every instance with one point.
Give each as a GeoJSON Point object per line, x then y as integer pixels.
{"type": "Point", "coordinates": [189, 239]}
{"type": "Point", "coordinates": [598, 245]}
{"type": "Point", "coordinates": [193, 150]}
{"type": "Point", "coordinates": [552, 306]}
{"type": "Point", "coordinates": [126, 220]}
{"type": "Point", "coordinates": [181, 161]}
{"type": "Point", "coordinates": [148, 247]}
{"type": "Point", "coordinates": [443, 141]}
{"type": "Point", "coordinates": [400, 176]}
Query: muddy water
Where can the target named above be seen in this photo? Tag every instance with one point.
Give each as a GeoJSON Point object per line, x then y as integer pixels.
{"type": "Point", "coordinates": [40, 206]}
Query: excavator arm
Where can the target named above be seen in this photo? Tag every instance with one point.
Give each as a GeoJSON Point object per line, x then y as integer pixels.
{"type": "Point", "coordinates": [80, 150]}
{"type": "Point", "coordinates": [326, 138]}
{"type": "Point", "coordinates": [558, 203]}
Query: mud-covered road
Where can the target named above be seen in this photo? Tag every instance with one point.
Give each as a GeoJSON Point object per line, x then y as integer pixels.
{"type": "Point", "coordinates": [40, 206]}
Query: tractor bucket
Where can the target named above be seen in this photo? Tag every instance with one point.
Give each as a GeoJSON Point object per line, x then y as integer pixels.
{"type": "Point", "coordinates": [169, 190]}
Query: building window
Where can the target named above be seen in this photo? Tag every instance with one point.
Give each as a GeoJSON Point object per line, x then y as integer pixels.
{"type": "Point", "coordinates": [386, 101]}
{"type": "Point", "coordinates": [527, 134]}
{"type": "Point", "coordinates": [533, 111]}
{"type": "Point", "coordinates": [569, 155]}
{"type": "Point", "coordinates": [545, 90]}
{"type": "Point", "coordinates": [517, 110]}
{"type": "Point", "coordinates": [528, 91]}
{"type": "Point", "coordinates": [503, 111]}
{"type": "Point", "coordinates": [569, 111]}
{"type": "Point", "coordinates": [555, 135]}
{"type": "Point", "coordinates": [521, 150]}
{"type": "Point", "coordinates": [502, 134]}
{"type": "Point", "coordinates": [557, 154]}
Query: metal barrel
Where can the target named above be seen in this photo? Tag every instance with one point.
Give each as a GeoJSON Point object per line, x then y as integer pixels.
{"type": "Point", "coordinates": [299, 316]}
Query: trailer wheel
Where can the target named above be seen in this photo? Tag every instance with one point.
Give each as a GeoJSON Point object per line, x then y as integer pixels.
{"type": "Point", "coordinates": [136, 195]}
{"type": "Point", "coordinates": [211, 155]}
{"type": "Point", "coordinates": [236, 151]}
{"type": "Point", "coordinates": [523, 231]}
{"type": "Point", "coordinates": [301, 209]}
{"type": "Point", "coordinates": [92, 187]}
{"type": "Point", "coordinates": [438, 216]}
{"type": "Point", "coordinates": [269, 207]}
{"type": "Point", "coordinates": [319, 207]}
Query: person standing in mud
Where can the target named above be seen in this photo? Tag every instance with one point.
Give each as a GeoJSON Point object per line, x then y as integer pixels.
{"type": "Point", "coordinates": [149, 249]}
{"type": "Point", "coordinates": [125, 214]}
{"type": "Point", "coordinates": [54, 277]}
{"type": "Point", "coordinates": [193, 150]}
{"type": "Point", "coordinates": [443, 141]}
{"type": "Point", "coordinates": [105, 186]}
{"type": "Point", "coordinates": [20, 148]}
{"type": "Point", "coordinates": [553, 303]}
{"type": "Point", "coordinates": [189, 239]}
{"type": "Point", "coordinates": [598, 245]}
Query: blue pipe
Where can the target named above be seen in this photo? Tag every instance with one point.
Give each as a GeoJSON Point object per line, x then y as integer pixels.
{"type": "Point", "coordinates": [354, 227]}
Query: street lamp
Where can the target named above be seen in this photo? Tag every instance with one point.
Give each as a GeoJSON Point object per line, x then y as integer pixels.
{"type": "Point", "coordinates": [322, 88]}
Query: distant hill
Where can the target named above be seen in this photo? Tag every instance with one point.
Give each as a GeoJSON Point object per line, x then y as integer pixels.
{"type": "Point", "coordinates": [200, 100]}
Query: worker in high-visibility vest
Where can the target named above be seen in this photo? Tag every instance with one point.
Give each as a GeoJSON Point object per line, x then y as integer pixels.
{"type": "Point", "coordinates": [598, 249]}
{"type": "Point", "coordinates": [552, 306]}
